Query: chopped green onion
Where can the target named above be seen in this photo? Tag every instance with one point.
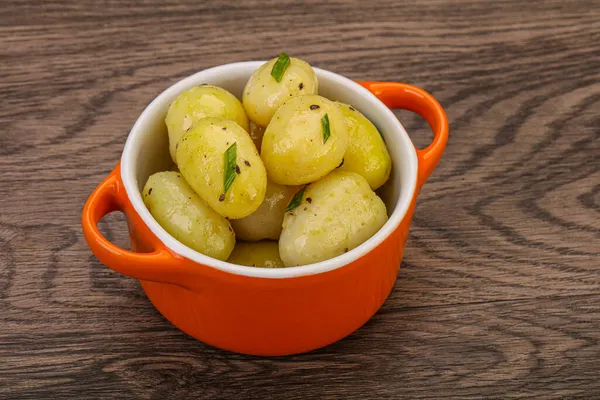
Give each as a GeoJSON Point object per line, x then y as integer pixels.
{"type": "Point", "coordinates": [230, 158]}
{"type": "Point", "coordinates": [280, 66]}
{"type": "Point", "coordinates": [325, 125]}
{"type": "Point", "coordinates": [296, 201]}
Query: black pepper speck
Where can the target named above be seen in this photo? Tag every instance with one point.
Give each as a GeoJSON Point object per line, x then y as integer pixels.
{"type": "Point", "coordinates": [314, 107]}
{"type": "Point", "coordinates": [150, 191]}
{"type": "Point", "coordinates": [247, 163]}
{"type": "Point", "coordinates": [224, 128]}
{"type": "Point", "coordinates": [222, 197]}
{"type": "Point", "coordinates": [309, 200]}
{"type": "Point", "coordinates": [352, 109]}
{"type": "Point", "coordinates": [301, 86]}
{"type": "Point", "coordinates": [237, 169]}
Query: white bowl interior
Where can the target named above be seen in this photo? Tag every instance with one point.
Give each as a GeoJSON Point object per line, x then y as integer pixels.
{"type": "Point", "coordinates": [147, 152]}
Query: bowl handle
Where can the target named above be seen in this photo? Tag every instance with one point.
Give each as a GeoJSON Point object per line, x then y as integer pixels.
{"type": "Point", "coordinates": [158, 265]}
{"type": "Point", "coordinates": [412, 98]}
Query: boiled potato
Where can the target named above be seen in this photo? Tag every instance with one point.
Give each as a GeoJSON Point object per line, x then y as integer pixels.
{"type": "Point", "coordinates": [336, 214]}
{"type": "Point", "coordinates": [176, 207]}
{"type": "Point", "coordinates": [197, 103]}
{"type": "Point", "coordinates": [265, 223]}
{"type": "Point", "coordinates": [367, 154]}
{"type": "Point", "coordinates": [263, 254]}
{"type": "Point", "coordinates": [256, 133]}
{"type": "Point", "coordinates": [294, 148]}
{"type": "Point", "coordinates": [263, 95]}
{"type": "Point", "coordinates": [201, 159]}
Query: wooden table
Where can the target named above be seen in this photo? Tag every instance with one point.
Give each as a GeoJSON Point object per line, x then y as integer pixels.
{"type": "Point", "coordinates": [499, 291]}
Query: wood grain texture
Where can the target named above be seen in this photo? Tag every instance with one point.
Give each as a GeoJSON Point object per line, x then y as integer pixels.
{"type": "Point", "coordinates": [499, 292]}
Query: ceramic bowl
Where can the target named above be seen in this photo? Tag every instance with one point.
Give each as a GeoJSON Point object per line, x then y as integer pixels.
{"type": "Point", "coordinates": [264, 311]}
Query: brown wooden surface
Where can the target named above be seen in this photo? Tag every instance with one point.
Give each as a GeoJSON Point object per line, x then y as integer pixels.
{"type": "Point", "coordinates": [499, 292]}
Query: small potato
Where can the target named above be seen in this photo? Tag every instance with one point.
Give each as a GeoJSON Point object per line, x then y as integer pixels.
{"type": "Point", "coordinates": [337, 214]}
{"type": "Point", "coordinates": [367, 154]}
{"type": "Point", "coordinates": [256, 133]}
{"type": "Point", "coordinates": [263, 254]}
{"type": "Point", "coordinates": [201, 102]}
{"type": "Point", "coordinates": [266, 222]}
{"type": "Point", "coordinates": [295, 149]}
{"type": "Point", "coordinates": [201, 159]}
{"type": "Point", "coordinates": [176, 207]}
{"type": "Point", "coordinates": [263, 95]}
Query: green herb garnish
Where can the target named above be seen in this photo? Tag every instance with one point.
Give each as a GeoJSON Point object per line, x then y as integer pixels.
{"type": "Point", "coordinates": [280, 66]}
{"type": "Point", "coordinates": [325, 125]}
{"type": "Point", "coordinates": [229, 159]}
{"type": "Point", "coordinates": [296, 201]}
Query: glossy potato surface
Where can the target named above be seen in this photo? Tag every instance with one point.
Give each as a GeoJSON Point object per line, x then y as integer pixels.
{"type": "Point", "coordinates": [263, 254]}
{"type": "Point", "coordinates": [294, 149]}
{"type": "Point", "coordinates": [178, 209]}
{"type": "Point", "coordinates": [266, 222]}
{"type": "Point", "coordinates": [201, 102]}
{"type": "Point", "coordinates": [200, 156]}
{"type": "Point", "coordinates": [337, 214]}
{"type": "Point", "coordinates": [367, 154]}
{"type": "Point", "coordinates": [263, 95]}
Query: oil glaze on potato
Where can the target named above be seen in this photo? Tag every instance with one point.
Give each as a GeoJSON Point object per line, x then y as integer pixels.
{"type": "Point", "coordinates": [337, 214]}
{"type": "Point", "coordinates": [201, 102]}
{"type": "Point", "coordinates": [178, 209]}
{"type": "Point", "coordinates": [263, 254]}
{"type": "Point", "coordinates": [294, 149]}
{"type": "Point", "coordinates": [367, 154]}
{"type": "Point", "coordinates": [263, 95]}
{"type": "Point", "coordinates": [266, 222]}
{"type": "Point", "coordinates": [200, 156]}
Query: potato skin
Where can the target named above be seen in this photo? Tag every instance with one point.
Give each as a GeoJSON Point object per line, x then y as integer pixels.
{"type": "Point", "coordinates": [176, 207]}
{"type": "Point", "coordinates": [266, 222]}
{"type": "Point", "coordinates": [367, 154]}
{"type": "Point", "coordinates": [256, 134]}
{"type": "Point", "coordinates": [201, 102]}
{"type": "Point", "coordinates": [263, 95]}
{"type": "Point", "coordinates": [200, 156]}
{"type": "Point", "coordinates": [293, 150]}
{"type": "Point", "coordinates": [264, 254]}
{"type": "Point", "coordinates": [337, 214]}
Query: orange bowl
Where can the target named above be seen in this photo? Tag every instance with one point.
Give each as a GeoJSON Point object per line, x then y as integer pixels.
{"type": "Point", "coordinates": [264, 311]}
